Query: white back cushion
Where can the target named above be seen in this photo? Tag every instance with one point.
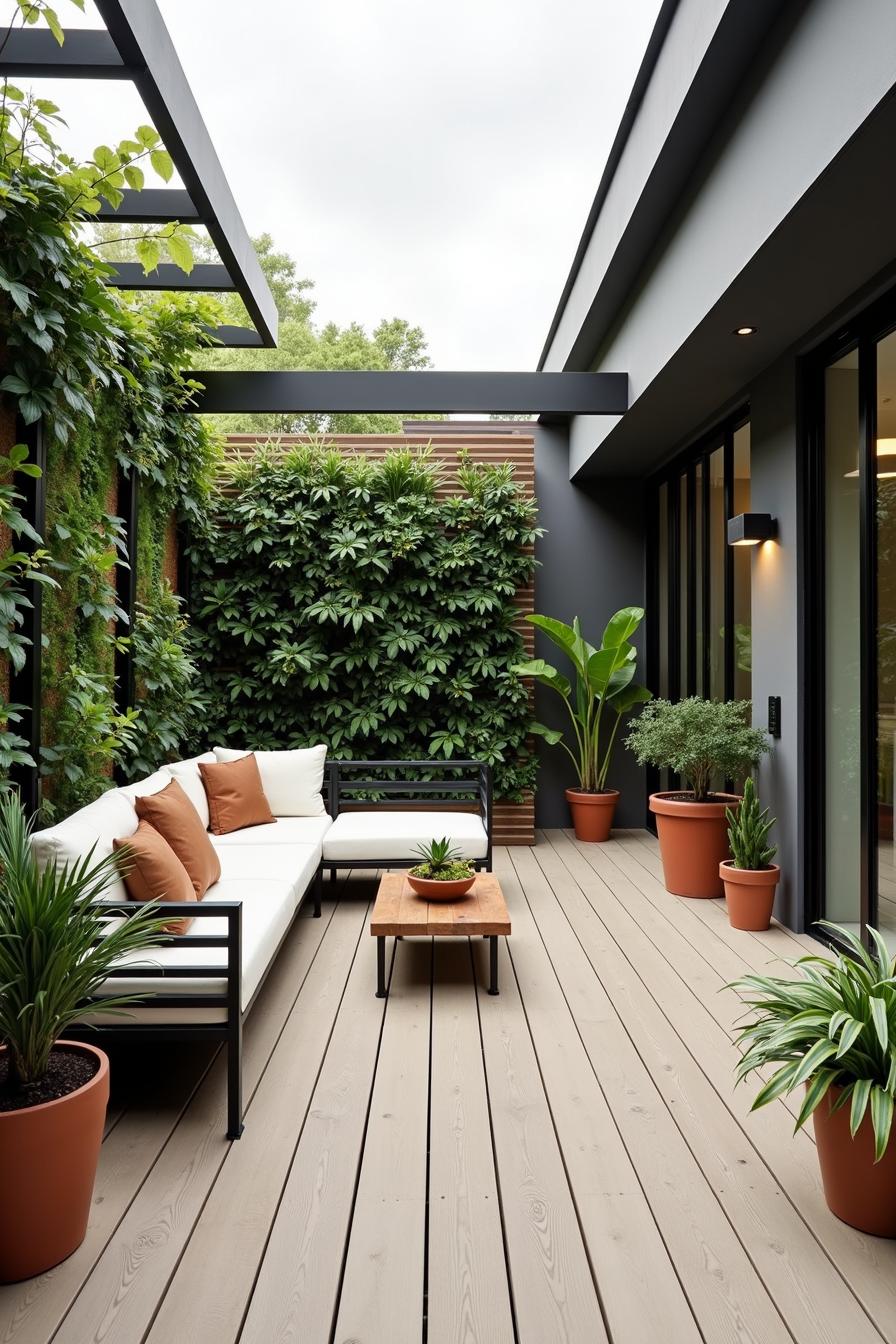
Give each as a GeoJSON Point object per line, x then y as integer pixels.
{"type": "Point", "coordinates": [110, 817]}
{"type": "Point", "coordinates": [188, 777]}
{"type": "Point", "coordinates": [292, 780]}
{"type": "Point", "coordinates": [142, 788]}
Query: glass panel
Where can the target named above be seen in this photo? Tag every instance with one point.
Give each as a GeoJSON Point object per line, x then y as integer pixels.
{"type": "Point", "coordinates": [698, 533]}
{"type": "Point", "coordinates": [662, 614]}
{"type": "Point", "coordinates": [741, 557]}
{"type": "Point", "coordinates": [717, 549]}
{"type": "Point", "coordinates": [842, 819]}
{"type": "Point", "coordinates": [683, 584]}
{"type": "Point", "coordinates": [886, 634]}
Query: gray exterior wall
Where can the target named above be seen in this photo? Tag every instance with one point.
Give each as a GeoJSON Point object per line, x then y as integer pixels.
{"type": "Point", "coordinates": [776, 619]}
{"type": "Point", "coordinates": [591, 564]}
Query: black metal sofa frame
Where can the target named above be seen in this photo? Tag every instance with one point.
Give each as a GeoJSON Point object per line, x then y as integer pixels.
{"type": "Point", "coordinates": [229, 1031]}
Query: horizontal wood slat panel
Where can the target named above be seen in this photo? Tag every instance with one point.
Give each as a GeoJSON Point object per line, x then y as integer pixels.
{"type": "Point", "coordinates": [514, 823]}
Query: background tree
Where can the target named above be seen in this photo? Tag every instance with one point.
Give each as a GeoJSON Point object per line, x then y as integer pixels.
{"type": "Point", "coordinates": [302, 344]}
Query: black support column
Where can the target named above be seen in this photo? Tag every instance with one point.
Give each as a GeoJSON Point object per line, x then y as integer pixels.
{"type": "Point", "coordinates": [126, 586]}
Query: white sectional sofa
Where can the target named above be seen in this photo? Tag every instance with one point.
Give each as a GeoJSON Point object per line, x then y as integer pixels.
{"type": "Point", "coordinates": [200, 984]}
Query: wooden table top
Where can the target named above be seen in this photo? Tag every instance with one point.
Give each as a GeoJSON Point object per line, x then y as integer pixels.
{"type": "Point", "coordinates": [399, 911]}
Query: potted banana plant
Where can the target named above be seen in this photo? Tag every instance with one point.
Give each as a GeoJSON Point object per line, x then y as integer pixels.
{"type": "Point", "coordinates": [830, 1033]}
{"type": "Point", "coordinates": [604, 690]}
{"type": "Point", "coordinates": [749, 876]}
{"type": "Point", "coordinates": [57, 946]}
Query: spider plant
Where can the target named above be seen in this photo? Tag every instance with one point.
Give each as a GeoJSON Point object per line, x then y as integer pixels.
{"type": "Point", "coordinates": [57, 945]}
{"type": "Point", "coordinates": [833, 1027]}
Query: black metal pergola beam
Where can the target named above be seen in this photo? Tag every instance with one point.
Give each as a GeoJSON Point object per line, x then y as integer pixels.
{"type": "Point", "coordinates": [205, 278]}
{"type": "Point", "coordinates": [136, 46]}
{"type": "Point", "coordinates": [551, 395]}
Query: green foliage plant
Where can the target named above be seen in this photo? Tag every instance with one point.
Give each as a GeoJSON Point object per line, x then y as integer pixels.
{"type": "Point", "coordinates": [441, 862]}
{"type": "Point", "coordinates": [748, 831]}
{"type": "Point", "coordinates": [339, 598]}
{"type": "Point", "coordinates": [701, 740]}
{"type": "Point", "coordinates": [604, 686]}
{"type": "Point", "coordinates": [832, 1026]}
{"type": "Point", "coordinates": [57, 944]}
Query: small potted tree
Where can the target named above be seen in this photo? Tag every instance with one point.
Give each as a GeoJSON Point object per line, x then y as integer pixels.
{"type": "Point", "coordinates": [57, 946]}
{"type": "Point", "coordinates": [832, 1033]}
{"type": "Point", "coordinates": [702, 741]}
{"type": "Point", "coordinates": [749, 876]}
{"type": "Point", "coordinates": [604, 690]}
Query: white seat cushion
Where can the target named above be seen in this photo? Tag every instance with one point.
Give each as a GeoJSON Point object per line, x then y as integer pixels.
{"type": "Point", "coordinates": [292, 780]}
{"type": "Point", "coordinates": [395, 835]}
{"type": "Point", "coordinates": [283, 831]}
{"type": "Point", "coordinates": [110, 817]}
{"type": "Point", "coordinates": [294, 864]}
{"type": "Point", "coordinates": [188, 777]}
{"type": "Point", "coordinates": [269, 904]}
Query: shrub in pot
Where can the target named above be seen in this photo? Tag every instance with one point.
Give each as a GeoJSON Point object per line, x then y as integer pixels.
{"type": "Point", "coordinates": [604, 690]}
{"type": "Point", "coordinates": [832, 1032]}
{"type": "Point", "coordinates": [749, 876]}
{"type": "Point", "coordinates": [57, 946]}
{"type": "Point", "coordinates": [443, 874]}
{"type": "Point", "coordinates": [700, 740]}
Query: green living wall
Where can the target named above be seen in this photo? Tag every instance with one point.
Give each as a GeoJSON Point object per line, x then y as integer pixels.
{"type": "Point", "coordinates": [343, 600]}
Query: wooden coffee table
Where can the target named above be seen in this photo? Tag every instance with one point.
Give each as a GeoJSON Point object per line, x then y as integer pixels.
{"type": "Point", "coordinates": [399, 912]}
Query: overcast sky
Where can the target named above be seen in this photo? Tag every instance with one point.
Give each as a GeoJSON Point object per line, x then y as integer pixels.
{"type": "Point", "coordinates": [433, 161]}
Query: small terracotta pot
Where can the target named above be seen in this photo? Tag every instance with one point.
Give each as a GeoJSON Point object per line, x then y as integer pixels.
{"type": "Point", "coordinates": [857, 1190]}
{"type": "Point", "coordinates": [749, 894]}
{"type": "Point", "coordinates": [431, 890]}
{"type": "Point", "coordinates": [592, 813]}
{"type": "Point", "coordinates": [693, 842]}
{"type": "Point", "coordinates": [48, 1157]}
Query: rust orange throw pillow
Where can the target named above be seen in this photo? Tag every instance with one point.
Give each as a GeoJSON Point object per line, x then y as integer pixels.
{"type": "Point", "coordinates": [153, 872]}
{"type": "Point", "coordinates": [235, 796]}
{"type": "Point", "coordinates": [174, 817]}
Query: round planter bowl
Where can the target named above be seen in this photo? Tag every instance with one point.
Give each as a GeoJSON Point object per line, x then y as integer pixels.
{"type": "Point", "coordinates": [48, 1157]}
{"type": "Point", "coordinates": [440, 891]}
{"type": "Point", "coordinates": [592, 813]}
{"type": "Point", "coordinates": [749, 894]}
{"type": "Point", "coordinates": [857, 1191]}
{"type": "Point", "coordinates": [693, 842]}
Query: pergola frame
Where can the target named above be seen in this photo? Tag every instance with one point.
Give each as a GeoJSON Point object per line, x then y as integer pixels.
{"type": "Point", "coordinates": [136, 46]}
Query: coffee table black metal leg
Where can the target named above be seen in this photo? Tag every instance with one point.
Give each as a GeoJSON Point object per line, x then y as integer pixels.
{"type": "Point", "coordinates": [493, 964]}
{"type": "Point", "coordinates": [381, 968]}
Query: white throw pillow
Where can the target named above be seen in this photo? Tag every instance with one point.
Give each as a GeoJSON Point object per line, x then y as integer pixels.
{"type": "Point", "coordinates": [188, 777]}
{"type": "Point", "coordinates": [292, 780]}
{"type": "Point", "coordinates": [110, 817]}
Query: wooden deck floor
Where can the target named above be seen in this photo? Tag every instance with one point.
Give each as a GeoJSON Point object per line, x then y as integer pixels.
{"type": "Point", "coordinates": [564, 1163]}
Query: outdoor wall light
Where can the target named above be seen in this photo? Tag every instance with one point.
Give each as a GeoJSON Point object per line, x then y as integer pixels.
{"type": "Point", "coordinates": [748, 529]}
{"type": "Point", "coordinates": [745, 331]}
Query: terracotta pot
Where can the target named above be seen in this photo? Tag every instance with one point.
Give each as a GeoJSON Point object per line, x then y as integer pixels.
{"type": "Point", "coordinates": [857, 1191]}
{"type": "Point", "coordinates": [440, 891]}
{"type": "Point", "coordinates": [693, 842]}
{"type": "Point", "coordinates": [592, 813]}
{"type": "Point", "coordinates": [749, 894]}
{"type": "Point", "coordinates": [48, 1157]}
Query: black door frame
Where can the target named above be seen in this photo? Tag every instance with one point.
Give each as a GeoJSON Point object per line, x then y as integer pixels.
{"type": "Point", "coordinates": [683, 467]}
{"type": "Point", "coordinates": [862, 335]}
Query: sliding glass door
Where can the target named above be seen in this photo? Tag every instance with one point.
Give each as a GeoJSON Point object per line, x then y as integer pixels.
{"type": "Point", "coordinates": [851, 637]}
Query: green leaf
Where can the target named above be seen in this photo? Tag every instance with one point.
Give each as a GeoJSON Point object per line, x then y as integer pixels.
{"type": "Point", "coordinates": [814, 1057]}
{"type": "Point", "coordinates": [879, 1018]}
{"type": "Point", "coordinates": [162, 164]}
{"type": "Point", "coordinates": [550, 735]}
{"type": "Point", "coordinates": [881, 1119]}
{"type": "Point", "coordinates": [149, 251]}
{"type": "Point", "coordinates": [180, 252]}
{"type": "Point", "coordinates": [622, 626]}
{"type": "Point", "coordinates": [816, 1091]}
{"type": "Point", "coordinates": [134, 176]}
{"type": "Point", "coordinates": [860, 1095]}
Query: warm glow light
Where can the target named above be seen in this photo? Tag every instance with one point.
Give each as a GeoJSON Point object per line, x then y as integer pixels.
{"type": "Point", "coordinates": [746, 541]}
{"type": "Point", "coordinates": [745, 331]}
{"type": "Point", "coordinates": [885, 448]}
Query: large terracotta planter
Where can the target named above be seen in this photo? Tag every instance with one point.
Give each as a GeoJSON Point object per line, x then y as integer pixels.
{"type": "Point", "coordinates": [440, 891]}
{"type": "Point", "coordinates": [749, 894]}
{"type": "Point", "coordinates": [48, 1157]}
{"type": "Point", "coordinates": [592, 813]}
{"type": "Point", "coordinates": [693, 842]}
{"type": "Point", "coordinates": [857, 1191]}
